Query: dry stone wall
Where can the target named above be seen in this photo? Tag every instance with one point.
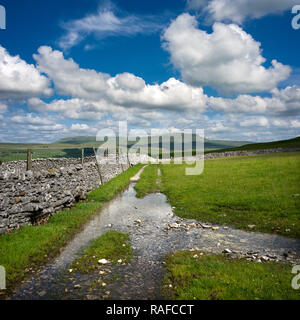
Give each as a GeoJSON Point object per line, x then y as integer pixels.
{"type": "Point", "coordinates": [247, 153]}
{"type": "Point", "coordinates": [31, 197]}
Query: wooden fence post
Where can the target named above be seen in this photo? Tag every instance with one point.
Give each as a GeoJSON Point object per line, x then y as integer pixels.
{"type": "Point", "coordinates": [82, 156]}
{"type": "Point", "coordinates": [29, 159]}
{"type": "Point", "coordinates": [128, 161]}
{"type": "Point", "coordinates": [98, 167]}
{"type": "Point", "coordinates": [120, 160]}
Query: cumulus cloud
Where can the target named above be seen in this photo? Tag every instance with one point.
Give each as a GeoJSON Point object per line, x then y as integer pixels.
{"type": "Point", "coordinates": [241, 104]}
{"type": "Point", "coordinates": [284, 102]}
{"type": "Point", "coordinates": [80, 127]}
{"type": "Point", "coordinates": [31, 119]}
{"type": "Point", "coordinates": [123, 90]}
{"type": "Point", "coordinates": [106, 23]}
{"type": "Point", "coordinates": [172, 94]}
{"type": "Point", "coordinates": [295, 124]}
{"type": "Point", "coordinates": [127, 81]}
{"type": "Point", "coordinates": [72, 108]}
{"type": "Point", "coordinates": [19, 79]}
{"type": "Point", "coordinates": [228, 59]}
{"type": "Point", "coordinates": [255, 122]}
{"type": "Point", "coordinates": [29, 126]}
{"type": "Point", "coordinates": [251, 127]}
{"type": "Point", "coordinates": [94, 96]}
{"type": "Point", "coordinates": [68, 78]}
{"type": "Point", "coordinates": [102, 100]}
{"type": "Point", "coordinates": [239, 10]}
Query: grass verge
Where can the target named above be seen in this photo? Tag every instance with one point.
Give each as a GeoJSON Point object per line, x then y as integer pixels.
{"type": "Point", "coordinates": [216, 277]}
{"type": "Point", "coordinates": [26, 249]}
{"type": "Point", "coordinates": [148, 182]}
{"type": "Point", "coordinates": [258, 191]}
{"type": "Point", "coordinates": [111, 246]}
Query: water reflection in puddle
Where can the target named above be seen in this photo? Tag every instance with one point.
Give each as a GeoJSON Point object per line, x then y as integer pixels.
{"type": "Point", "coordinates": [151, 242]}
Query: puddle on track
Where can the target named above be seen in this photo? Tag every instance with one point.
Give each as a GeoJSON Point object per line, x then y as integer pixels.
{"type": "Point", "coordinates": [151, 242]}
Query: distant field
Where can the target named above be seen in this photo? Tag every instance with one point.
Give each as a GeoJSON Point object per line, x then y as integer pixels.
{"type": "Point", "coordinates": [12, 152]}
{"type": "Point", "coordinates": [71, 148]}
{"type": "Point", "coordinates": [259, 190]}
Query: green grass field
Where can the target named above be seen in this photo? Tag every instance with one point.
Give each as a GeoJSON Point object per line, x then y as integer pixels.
{"type": "Point", "coordinates": [216, 277]}
{"type": "Point", "coordinates": [111, 246]}
{"type": "Point", "coordinates": [14, 152]}
{"type": "Point", "coordinates": [31, 246]}
{"type": "Point", "coordinates": [148, 182]}
{"type": "Point", "coordinates": [241, 191]}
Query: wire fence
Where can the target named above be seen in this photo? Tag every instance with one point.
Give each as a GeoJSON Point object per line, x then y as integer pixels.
{"type": "Point", "coordinates": [10, 152]}
{"type": "Point", "coordinates": [19, 153]}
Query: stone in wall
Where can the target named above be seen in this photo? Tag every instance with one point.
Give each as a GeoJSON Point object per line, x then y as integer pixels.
{"type": "Point", "coordinates": [29, 197]}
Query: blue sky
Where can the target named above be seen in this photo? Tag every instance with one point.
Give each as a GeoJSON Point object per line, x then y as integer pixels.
{"type": "Point", "coordinates": [71, 68]}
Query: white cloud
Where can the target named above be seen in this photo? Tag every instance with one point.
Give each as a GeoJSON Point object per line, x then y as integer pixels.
{"type": "Point", "coordinates": [127, 81]}
{"type": "Point", "coordinates": [239, 10]}
{"type": "Point", "coordinates": [68, 78]}
{"type": "Point", "coordinates": [18, 79]}
{"type": "Point", "coordinates": [219, 127]}
{"type": "Point", "coordinates": [80, 127]}
{"type": "Point", "coordinates": [102, 100]}
{"type": "Point", "coordinates": [242, 104]}
{"type": "Point", "coordinates": [42, 129]}
{"type": "Point", "coordinates": [106, 23]}
{"type": "Point", "coordinates": [287, 100]}
{"type": "Point", "coordinates": [295, 124]}
{"type": "Point", "coordinates": [172, 94]}
{"type": "Point", "coordinates": [123, 90]}
{"type": "Point", "coordinates": [98, 97]}
{"type": "Point", "coordinates": [252, 127]}
{"type": "Point", "coordinates": [255, 122]}
{"type": "Point", "coordinates": [228, 58]}
{"type": "Point", "coordinates": [284, 102]}
{"type": "Point", "coordinates": [72, 108]}
{"type": "Point", "coordinates": [30, 119]}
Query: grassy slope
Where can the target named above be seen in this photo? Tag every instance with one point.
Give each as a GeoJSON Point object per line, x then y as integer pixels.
{"type": "Point", "coordinates": [215, 277]}
{"type": "Point", "coordinates": [32, 246]}
{"type": "Point", "coordinates": [240, 191]}
{"type": "Point", "coordinates": [291, 143]}
{"type": "Point", "coordinates": [111, 246]}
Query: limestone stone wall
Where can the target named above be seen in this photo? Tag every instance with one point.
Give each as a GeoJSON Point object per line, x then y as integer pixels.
{"type": "Point", "coordinates": [30, 197]}
{"type": "Point", "coordinates": [247, 153]}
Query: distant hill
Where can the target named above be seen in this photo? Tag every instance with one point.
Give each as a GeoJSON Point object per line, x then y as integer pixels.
{"type": "Point", "coordinates": [208, 144]}
{"type": "Point", "coordinates": [71, 147]}
{"type": "Point", "coordinates": [291, 143]}
{"type": "Point", "coordinates": [86, 141]}
{"type": "Point", "coordinates": [222, 144]}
